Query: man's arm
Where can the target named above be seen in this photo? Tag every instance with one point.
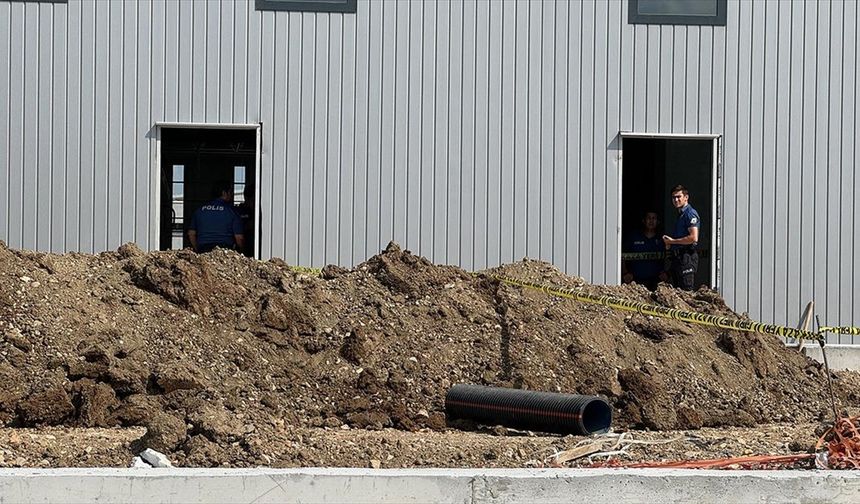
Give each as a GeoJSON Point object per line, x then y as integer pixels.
{"type": "Point", "coordinates": [626, 275]}
{"type": "Point", "coordinates": [192, 237]}
{"type": "Point", "coordinates": [238, 231]}
{"type": "Point", "coordinates": [691, 238]}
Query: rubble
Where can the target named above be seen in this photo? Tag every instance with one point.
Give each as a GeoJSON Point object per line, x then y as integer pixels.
{"type": "Point", "coordinates": [138, 463]}
{"type": "Point", "coordinates": [154, 458]}
{"type": "Point", "coordinates": [218, 359]}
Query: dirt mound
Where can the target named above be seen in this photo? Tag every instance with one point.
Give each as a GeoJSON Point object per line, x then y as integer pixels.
{"type": "Point", "coordinates": [217, 354]}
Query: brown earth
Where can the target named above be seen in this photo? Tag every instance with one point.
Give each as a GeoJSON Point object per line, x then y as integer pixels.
{"type": "Point", "coordinates": [216, 359]}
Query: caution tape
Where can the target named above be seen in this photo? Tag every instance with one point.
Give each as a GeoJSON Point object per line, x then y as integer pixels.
{"type": "Point", "coordinates": [661, 311]}
{"type": "Point", "coordinates": [840, 330]}
{"type": "Point", "coordinates": [642, 256]}
{"type": "Point", "coordinates": [650, 256]}
{"type": "Point", "coordinates": [666, 312]}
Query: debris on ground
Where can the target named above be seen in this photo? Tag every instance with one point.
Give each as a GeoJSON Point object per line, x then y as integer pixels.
{"type": "Point", "coordinates": [138, 463]}
{"type": "Point", "coordinates": [155, 458]}
{"type": "Point", "coordinates": [843, 445]}
{"type": "Point", "coordinates": [221, 360]}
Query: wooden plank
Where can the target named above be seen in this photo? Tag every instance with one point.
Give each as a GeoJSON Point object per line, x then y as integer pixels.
{"type": "Point", "coordinates": [805, 320]}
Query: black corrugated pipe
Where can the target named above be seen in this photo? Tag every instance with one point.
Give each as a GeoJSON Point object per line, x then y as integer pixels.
{"type": "Point", "coordinates": [529, 410]}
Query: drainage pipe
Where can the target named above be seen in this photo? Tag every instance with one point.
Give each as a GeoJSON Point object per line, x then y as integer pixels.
{"type": "Point", "coordinates": [529, 410]}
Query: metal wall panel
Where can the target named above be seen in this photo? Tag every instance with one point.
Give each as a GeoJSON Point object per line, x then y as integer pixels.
{"type": "Point", "coordinates": [86, 127]}
{"type": "Point", "coordinates": [43, 140]}
{"type": "Point", "coordinates": [849, 251]}
{"type": "Point", "coordinates": [374, 184]}
{"type": "Point", "coordinates": [330, 185]}
{"type": "Point", "coordinates": [27, 198]}
{"type": "Point", "coordinates": [347, 124]}
{"type": "Point", "coordinates": [472, 132]}
{"type": "Point", "coordinates": [480, 152]}
{"type": "Point", "coordinates": [5, 116]}
{"type": "Point", "coordinates": [464, 239]}
{"type": "Point", "coordinates": [70, 128]}
{"type": "Point", "coordinates": [781, 157]}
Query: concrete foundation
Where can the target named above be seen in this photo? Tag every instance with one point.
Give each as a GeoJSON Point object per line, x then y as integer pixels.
{"type": "Point", "coordinates": [839, 357]}
{"type": "Point", "coordinates": [467, 486]}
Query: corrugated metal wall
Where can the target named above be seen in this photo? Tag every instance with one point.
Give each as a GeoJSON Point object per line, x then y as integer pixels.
{"type": "Point", "coordinates": [473, 133]}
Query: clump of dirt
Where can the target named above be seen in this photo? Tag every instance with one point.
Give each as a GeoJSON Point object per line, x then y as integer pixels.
{"type": "Point", "coordinates": [216, 354]}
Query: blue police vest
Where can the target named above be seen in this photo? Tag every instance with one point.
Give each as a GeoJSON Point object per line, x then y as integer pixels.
{"type": "Point", "coordinates": [688, 218]}
{"type": "Point", "coordinates": [216, 223]}
{"type": "Point", "coordinates": [645, 269]}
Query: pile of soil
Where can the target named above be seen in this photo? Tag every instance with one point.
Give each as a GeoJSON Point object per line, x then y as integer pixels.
{"type": "Point", "coordinates": [220, 357]}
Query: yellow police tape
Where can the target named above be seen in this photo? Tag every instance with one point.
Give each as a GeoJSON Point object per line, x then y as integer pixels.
{"type": "Point", "coordinates": [840, 330]}
{"type": "Point", "coordinates": [665, 312]}
{"type": "Point", "coordinates": [662, 311]}
{"type": "Point", "coordinates": [642, 256]}
{"type": "Point", "coordinates": [650, 256]}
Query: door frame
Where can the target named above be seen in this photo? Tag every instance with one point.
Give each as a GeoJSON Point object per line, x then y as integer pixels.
{"type": "Point", "coordinates": [716, 191]}
{"type": "Point", "coordinates": [156, 171]}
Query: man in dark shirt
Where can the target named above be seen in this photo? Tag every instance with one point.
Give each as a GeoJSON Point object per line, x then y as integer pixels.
{"type": "Point", "coordinates": [216, 224]}
{"type": "Point", "coordinates": [683, 243]}
{"type": "Point", "coordinates": [647, 271]}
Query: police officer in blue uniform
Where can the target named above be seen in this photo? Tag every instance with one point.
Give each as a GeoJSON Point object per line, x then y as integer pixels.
{"type": "Point", "coordinates": [216, 224]}
{"type": "Point", "coordinates": [645, 271]}
{"type": "Point", "coordinates": [682, 245]}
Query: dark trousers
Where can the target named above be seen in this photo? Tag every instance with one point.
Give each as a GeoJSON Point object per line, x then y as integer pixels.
{"type": "Point", "coordinates": [685, 263]}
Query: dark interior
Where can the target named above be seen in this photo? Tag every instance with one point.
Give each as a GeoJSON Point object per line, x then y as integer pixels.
{"type": "Point", "coordinates": [194, 161]}
{"type": "Point", "coordinates": [596, 417]}
{"type": "Point", "coordinates": [652, 166]}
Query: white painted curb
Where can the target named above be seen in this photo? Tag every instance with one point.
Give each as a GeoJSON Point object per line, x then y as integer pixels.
{"type": "Point", "coordinates": [468, 486]}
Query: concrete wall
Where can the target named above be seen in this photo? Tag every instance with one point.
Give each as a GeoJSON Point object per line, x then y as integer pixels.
{"type": "Point", "coordinates": [839, 357]}
{"type": "Point", "coordinates": [465, 486]}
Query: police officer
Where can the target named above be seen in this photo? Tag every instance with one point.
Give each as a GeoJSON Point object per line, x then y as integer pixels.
{"type": "Point", "coordinates": [682, 245]}
{"type": "Point", "coordinates": [647, 272]}
{"type": "Point", "coordinates": [216, 224]}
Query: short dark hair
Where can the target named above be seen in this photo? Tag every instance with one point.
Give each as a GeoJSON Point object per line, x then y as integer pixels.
{"type": "Point", "coordinates": [223, 187]}
{"type": "Point", "coordinates": [681, 188]}
{"type": "Point", "coordinates": [650, 211]}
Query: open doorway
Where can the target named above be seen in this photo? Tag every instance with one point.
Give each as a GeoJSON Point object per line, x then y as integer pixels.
{"type": "Point", "coordinates": [195, 162]}
{"type": "Point", "coordinates": [652, 166]}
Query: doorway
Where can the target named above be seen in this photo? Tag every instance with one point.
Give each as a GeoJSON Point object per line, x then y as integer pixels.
{"type": "Point", "coordinates": [652, 165]}
{"type": "Point", "coordinates": [194, 163]}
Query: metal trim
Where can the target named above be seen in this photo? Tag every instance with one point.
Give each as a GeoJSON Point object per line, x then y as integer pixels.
{"type": "Point", "coordinates": [716, 220]}
{"type": "Point", "coordinates": [702, 136]}
{"type": "Point", "coordinates": [635, 17]}
{"type": "Point", "coordinates": [156, 187]}
{"type": "Point", "coordinates": [335, 6]}
{"type": "Point", "coordinates": [716, 217]}
{"type": "Point", "coordinates": [206, 125]}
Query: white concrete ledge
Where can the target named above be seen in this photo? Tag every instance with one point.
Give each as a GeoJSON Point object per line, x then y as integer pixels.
{"type": "Point", "coordinates": [468, 486]}
{"type": "Point", "coordinates": [839, 357]}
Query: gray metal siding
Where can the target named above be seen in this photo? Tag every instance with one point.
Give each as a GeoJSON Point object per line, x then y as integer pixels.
{"type": "Point", "coordinates": [471, 132]}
